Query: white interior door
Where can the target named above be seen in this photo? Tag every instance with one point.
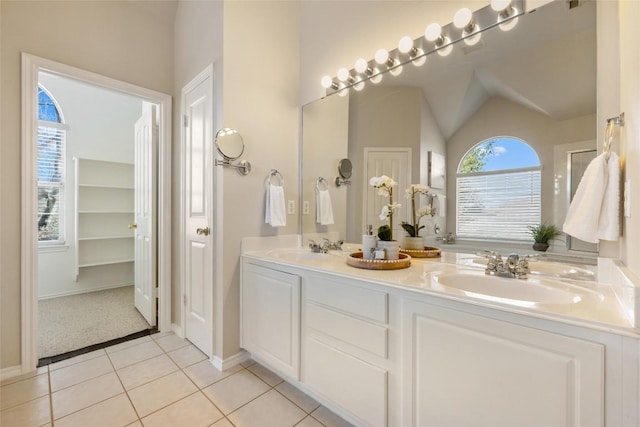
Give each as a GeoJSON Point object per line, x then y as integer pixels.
{"type": "Point", "coordinates": [198, 217]}
{"type": "Point", "coordinates": [146, 148]}
{"type": "Point", "coordinates": [395, 163]}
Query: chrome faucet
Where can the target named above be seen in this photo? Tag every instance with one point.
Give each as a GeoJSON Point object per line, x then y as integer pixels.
{"type": "Point", "coordinates": [514, 266]}
{"type": "Point", "coordinates": [321, 249]}
{"type": "Point", "coordinates": [335, 246]}
{"type": "Point", "coordinates": [448, 239]}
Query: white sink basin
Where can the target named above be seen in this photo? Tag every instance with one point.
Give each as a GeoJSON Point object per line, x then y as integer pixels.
{"type": "Point", "coordinates": [546, 268]}
{"type": "Point", "coordinates": [524, 293]}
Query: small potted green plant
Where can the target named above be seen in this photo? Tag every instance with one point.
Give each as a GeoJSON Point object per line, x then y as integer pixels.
{"type": "Point", "coordinates": [541, 234]}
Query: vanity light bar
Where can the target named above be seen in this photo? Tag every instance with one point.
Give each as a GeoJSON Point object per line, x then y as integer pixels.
{"type": "Point", "coordinates": [467, 26]}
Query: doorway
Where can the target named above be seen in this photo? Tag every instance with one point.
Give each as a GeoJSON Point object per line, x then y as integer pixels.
{"type": "Point", "coordinates": [96, 243]}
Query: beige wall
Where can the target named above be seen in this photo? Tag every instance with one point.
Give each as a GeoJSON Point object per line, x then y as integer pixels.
{"type": "Point", "coordinates": [261, 93]}
{"type": "Point", "coordinates": [630, 134]}
{"type": "Point", "coordinates": [129, 41]}
{"type": "Point", "coordinates": [498, 117]}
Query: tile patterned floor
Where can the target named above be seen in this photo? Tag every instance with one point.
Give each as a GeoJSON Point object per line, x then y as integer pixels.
{"type": "Point", "coordinates": [159, 381]}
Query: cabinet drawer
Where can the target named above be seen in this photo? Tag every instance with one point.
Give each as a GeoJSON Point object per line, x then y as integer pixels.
{"type": "Point", "coordinates": [362, 302]}
{"type": "Point", "coordinates": [364, 335]}
{"type": "Point", "coordinates": [349, 382]}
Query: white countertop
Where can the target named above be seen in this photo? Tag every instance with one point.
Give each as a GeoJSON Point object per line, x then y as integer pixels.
{"type": "Point", "coordinates": [599, 306]}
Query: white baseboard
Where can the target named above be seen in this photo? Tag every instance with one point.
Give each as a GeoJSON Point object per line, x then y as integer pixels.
{"type": "Point", "coordinates": [230, 362]}
{"type": "Point", "coordinates": [10, 372]}
{"type": "Point", "coordinates": [177, 329]}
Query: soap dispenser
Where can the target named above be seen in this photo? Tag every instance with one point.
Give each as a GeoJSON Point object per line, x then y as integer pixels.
{"type": "Point", "coordinates": [369, 243]}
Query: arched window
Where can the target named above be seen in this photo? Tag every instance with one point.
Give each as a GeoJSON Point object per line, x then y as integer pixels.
{"type": "Point", "coordinates": [51, 169]}
{"type": "Point", "coordinates": [498, 190]}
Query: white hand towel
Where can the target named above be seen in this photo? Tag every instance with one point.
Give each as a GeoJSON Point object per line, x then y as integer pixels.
{"type": "Point", "coordinates": [324, 210]}
{"type": "Point", "coordinates": [275, 211]}
{"type": "Point", "coordinates": [442, 205]}
{"type": "Point", "coordinates": [609, 223]}
{"type": "Point", "coordinates": [593, 213]}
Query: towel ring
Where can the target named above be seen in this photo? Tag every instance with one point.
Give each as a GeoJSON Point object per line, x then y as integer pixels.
{"type": "Point", "coordinates": [277, 174]}
{"type": "Point", "coordinates": [319, 182]}
{"type": "Point", "coordinates": [609, 132]}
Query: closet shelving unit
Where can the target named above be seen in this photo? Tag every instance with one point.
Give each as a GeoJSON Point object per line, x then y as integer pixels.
{"type": "Point", "coordinates": [104, 206]}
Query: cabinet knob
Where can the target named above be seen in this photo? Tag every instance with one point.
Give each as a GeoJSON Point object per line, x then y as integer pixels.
{"type": "Point", "coordinates": [132, 226]}
{"type": "Point", "coordinates": [202, 231]}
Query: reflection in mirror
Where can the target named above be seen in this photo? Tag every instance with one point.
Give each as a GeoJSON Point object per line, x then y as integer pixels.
{"type": "Point", "coordinates": [230, 146]}
{"type": "Point", "coordinates": [535, 83]}
{"type": "Point", "coordinates": [344, 169]}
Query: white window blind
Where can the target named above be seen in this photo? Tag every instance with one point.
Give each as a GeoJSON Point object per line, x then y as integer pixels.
{"type": "Point", "coordinates": [51, 172]}
{"type": "Point", "coordinates": [498, 205]}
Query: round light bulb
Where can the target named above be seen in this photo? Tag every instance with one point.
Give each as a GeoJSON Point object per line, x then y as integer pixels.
{"type": "Point", "coordinates": [361, 65]}
{"type": "Point", "coordinates": [343, 74]}
{"type": "Point", "coordinates": [433, 32]}
{"type": "Point", "coordinates": [445, 50]}
{"type": "Point", "coordinates": [326, 82]}
{"type": "Point", "coordinates": [377, 77]}
{"type": "Point", "coordinates": [508, 25]}
{"type": "Point", "coordinates": [381, 56]}
{"type": "Point", "coordinates": [359, 85]}
{"type": "Point", "coordinates": [405, 44]}
{"type": "Point", "coordinates": [396, 71]}
{"type": "Point", "coordinates": [500, 5]}
{"type": "Point", "coordinates": [473, 40]}
{"type": "Point", "coordinates": [421, 60]}
{"type": "Point", "coordinates": [462, 18]}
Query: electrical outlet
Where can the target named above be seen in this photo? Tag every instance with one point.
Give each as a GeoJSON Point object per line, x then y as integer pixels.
{"type": "Point", "coordinates": [627, 199]}
{"type": "Point", "coordinates": [305, 207]}
{"type": "Point", "coordinates": [291, 207]}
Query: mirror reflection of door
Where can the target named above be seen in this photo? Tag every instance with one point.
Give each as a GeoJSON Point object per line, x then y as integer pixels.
{"type": "Point", "coordinates": [102, 203]}
{"type": "Point", "coordinates": [578, 162]}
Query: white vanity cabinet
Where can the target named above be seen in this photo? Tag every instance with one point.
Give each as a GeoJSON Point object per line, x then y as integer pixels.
{"type": "Point", "coordinates": [461, 369]}
{"type": "Point", "coordinates": [270, 312]}
{"type": "Point", "coordinates": [346, 347]}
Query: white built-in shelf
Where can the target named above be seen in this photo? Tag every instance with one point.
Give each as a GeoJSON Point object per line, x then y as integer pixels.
{"type": "Point", "coordinates": [105, 237]}
{"type": "Point", "coordinates": [105, 208]}
{"type": "Point", "coordinates": [105, 262]}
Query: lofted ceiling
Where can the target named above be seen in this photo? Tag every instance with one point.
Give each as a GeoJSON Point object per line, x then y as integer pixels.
{"type": "Point", "coordinates": [547, 63]}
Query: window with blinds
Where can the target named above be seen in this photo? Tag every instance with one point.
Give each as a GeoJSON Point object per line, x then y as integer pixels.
{"type": "Point", "coordinates": [50, 169]}
{"type": "Point", "coordinates": [498, 191]}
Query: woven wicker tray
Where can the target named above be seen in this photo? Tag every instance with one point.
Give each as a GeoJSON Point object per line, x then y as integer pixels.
{"type": "Point", "coordinates": [356, 260]}
{"type": "Point", "coordinates": [427, 252]}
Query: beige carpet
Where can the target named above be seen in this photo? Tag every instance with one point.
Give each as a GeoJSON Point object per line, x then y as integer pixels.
{"type": "Point", "coordinates": [77, 321]}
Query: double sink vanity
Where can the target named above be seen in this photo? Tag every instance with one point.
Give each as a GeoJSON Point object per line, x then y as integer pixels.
{"type": "Point", "coordinates": [441, 343]}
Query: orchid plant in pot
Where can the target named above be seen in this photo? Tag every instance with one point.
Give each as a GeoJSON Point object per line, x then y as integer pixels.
{"type": "Point", "coordinates": [384, 185]}
{"type": "Point", "coordinates": [413, 241]}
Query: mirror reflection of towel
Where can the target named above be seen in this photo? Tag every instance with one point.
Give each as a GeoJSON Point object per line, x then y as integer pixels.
{"type": "Point", "coordinates": [594, 210]}
{"type": "Point", "coordinates": [275, 212]}
{"type": "Point", "coordinates": [324, 210]}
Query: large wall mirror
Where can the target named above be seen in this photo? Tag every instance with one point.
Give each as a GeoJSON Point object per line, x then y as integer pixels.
{"type": "Point", "coordinates": [535, 83]}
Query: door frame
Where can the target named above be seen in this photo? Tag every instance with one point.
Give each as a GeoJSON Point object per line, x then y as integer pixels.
{"type": "Point", "coordinates": [31, 66]}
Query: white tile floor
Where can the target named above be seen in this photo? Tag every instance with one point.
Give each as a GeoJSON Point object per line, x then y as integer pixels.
{"type": "Point", "coordinates": [158, 380]}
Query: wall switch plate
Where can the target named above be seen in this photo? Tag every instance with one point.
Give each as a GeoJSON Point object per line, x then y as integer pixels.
{"type": "Point", "coordinates": [291, 207]}
{"type": "Point", "coordinates": [627, 199]}
{"type": "Point", "coordinates": [305, 207]}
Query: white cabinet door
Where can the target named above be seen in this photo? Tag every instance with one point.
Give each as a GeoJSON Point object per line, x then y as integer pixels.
{"type": "Point", "coordinates": [270, 310]}
{"type": "Point", "coordinates": [146, 143]}
{"type": "Point", "coordinates": [466, 370]}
